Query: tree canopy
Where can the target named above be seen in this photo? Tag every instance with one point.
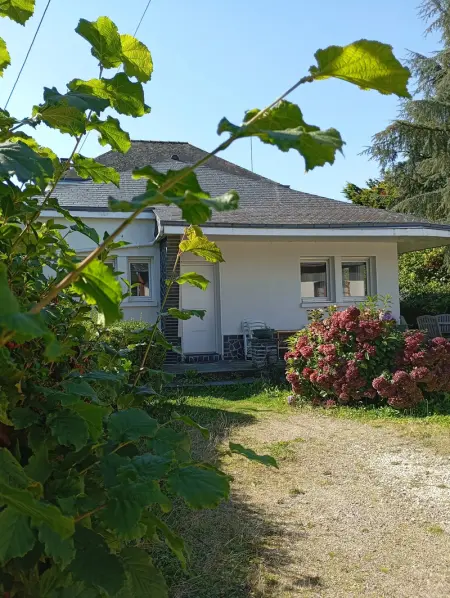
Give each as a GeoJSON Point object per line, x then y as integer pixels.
{"type": "Point", "coordinates": [414, 151]}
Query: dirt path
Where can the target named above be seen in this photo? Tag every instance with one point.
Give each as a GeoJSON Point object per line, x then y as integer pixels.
{"type": "Point", "coordinates": [356, 510]}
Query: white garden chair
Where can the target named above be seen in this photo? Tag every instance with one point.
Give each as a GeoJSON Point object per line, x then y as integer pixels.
{"type": "Point", "coordinates": [247, 328]}
{"type": "Point", "coordinates": [444, 323]}
{"type": "Point", "coordinates": [430, 324]}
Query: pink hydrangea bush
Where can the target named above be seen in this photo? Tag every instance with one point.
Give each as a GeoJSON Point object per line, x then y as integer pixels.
{"type": "Point", "coordinates": [359, 355]}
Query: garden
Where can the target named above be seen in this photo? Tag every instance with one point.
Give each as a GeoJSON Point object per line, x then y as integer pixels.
{"type": "Point", "coordinates": [111, 486]}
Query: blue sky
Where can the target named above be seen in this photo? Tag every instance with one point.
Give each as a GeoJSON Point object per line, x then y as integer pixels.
{"type": "Point", "coordinates": [216, 58]}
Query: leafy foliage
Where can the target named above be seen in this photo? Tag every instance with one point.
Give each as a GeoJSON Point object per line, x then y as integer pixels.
{"type": "Point", "coordinates": [197, 243]}
{"type": "Point", "coordinates": [5, 58]}
{"type": "Point", "coordinates": [413, 151]}
{"type": "Point", "coordinates": [284, 127]}
{"type": "Point", "coordinates": [17, 10]}
{"type": "Point", "coordinates": [86, 470]}
{"type": "Point", "coordinates": [424, 277]}
{"type": "Point", "coordinates": [369, 64]}
{"type": "Point", "coordinates": [378, 194]}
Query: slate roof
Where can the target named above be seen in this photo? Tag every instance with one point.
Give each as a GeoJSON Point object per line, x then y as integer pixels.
{"type": "Point", "coordinates": [263, 203]}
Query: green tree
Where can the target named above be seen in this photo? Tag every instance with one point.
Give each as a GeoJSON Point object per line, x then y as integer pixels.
{"type": "Point", "coordinates": [424, 276]}
{"type": "Point", "coordinates": [85, 470]}
{"type": "Point", "coordinates": [415, 149]}
{"type": "Point", "coordinates": [378, 194]}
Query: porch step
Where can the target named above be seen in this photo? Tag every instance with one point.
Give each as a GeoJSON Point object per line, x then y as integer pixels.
{"type": "Point", "coordinates": [201, 358]}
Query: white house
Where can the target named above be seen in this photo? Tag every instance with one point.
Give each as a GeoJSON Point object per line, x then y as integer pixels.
{"type": "Point", "coordinates": [285, 251]}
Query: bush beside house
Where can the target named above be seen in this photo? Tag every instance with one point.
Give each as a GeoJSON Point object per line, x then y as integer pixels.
{"type": "Point", "coordinates": [361, 356]}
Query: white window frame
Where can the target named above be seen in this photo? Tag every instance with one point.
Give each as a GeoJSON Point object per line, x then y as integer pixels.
{"type": "Point", "coordinates": [330, 281]}
{"type": "Point", "coordinates": [371, 283]}
{"type": "Point", "coordinates": [112, 261]}
{"type": "Point", "coordinates": [142, 260]}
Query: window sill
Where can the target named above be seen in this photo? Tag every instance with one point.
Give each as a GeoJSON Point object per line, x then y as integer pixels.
{"type": "Point", "coordinates": [316, 304]}
{"type": "Point", "coordinates": [141, 302]}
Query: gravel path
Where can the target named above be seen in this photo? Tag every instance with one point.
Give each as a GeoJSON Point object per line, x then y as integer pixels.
{"type": "Point", "coordinates": [356, 510]}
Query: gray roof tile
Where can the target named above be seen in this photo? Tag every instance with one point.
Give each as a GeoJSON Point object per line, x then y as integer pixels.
{"type": "Point", "coordinates": [262, 202]}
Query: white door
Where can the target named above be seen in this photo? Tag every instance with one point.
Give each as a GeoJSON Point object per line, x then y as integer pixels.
{"type": "Point", "coordinates": [199, 336]}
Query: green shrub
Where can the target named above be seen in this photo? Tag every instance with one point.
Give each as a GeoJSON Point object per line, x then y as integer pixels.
{"type": "Point", "coordinates": [430, 299]}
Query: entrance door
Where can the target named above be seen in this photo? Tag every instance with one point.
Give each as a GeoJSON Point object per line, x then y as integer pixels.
{"type": "Point", "coordinates": [199, 336]}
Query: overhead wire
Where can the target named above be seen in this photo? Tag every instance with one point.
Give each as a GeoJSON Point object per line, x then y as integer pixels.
{"type": "Point", "coordinates": [28, 53]}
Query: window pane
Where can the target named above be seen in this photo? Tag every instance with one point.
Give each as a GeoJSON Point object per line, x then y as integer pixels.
{"type": "Point", "coordinates": [354, 279]}
{"type": "Point", "coordinates": [140, 274]}
{"type": "Point", "coordinates": [314, 279]}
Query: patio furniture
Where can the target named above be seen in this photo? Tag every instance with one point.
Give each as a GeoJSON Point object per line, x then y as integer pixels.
{"type": "Point", "coordinates": [264, 352]}
{"type": "Point", "coordinates": [430, 324]}
{"type": "Point", "coordinates": [282, 338]}
{"type": "Point", "coordinates": [247, 328]}
{"type": "Point", "coordinates": [444, 323]}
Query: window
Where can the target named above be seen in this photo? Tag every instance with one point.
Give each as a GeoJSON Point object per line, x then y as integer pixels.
{"type": "Point", "coordinates": [315, 280]}
{"type": "Point", "coordinates": [111, 263]}
{"type": "Point", "coordinates": [355, 278]}
{"type": "Point", "coordinates": [140, 278]}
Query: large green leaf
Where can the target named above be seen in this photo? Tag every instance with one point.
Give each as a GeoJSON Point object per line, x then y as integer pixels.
{"type": "Point", "coordinates": [168, 443]}
{"type": "Point", "coordinates": [104, 38]}
{"type": "Point", "coordinates": [144, 580]}
{"type": "Point", "coordinates": [190, 422]}
{"type": "Point", "coordinates": [131, 424]}
{"type": "Point", "coordinates": [126, 502]}
{"type": "Point", "coordinates": [136, 57]}
{"type": "Point", "coordinates": [69, 429]}
{"type": "Point", "coordinates": [196, 280]}
{"type": "Point", "coordinates": [125, 96]}
{"type": "Point", "coordinates": [110, 133]}
{"type": "Point", "coordinates": [39, 512]}
{"type": "Point", "coordinates": [17, 10]}
{"type": "Point", "coordinates": [81, 101]}
{"type": "Point", "coordinates": [185, 314]}
{"type": "Point", "coordinates": [94, 564]}
{"type": "Point", "coordinates": [93, 415]}
{"type": "Point", "coordinates": [5, 58]}
{"type": "Point", "coordinates": [150, 467]}
{"type": "Point", "coordinates": [23, 417]}
{"type": "Point", "coordinates": [284, 127]}
{"type": "Point", "coordinates": [77, 387]}
{"type": "Point", "coordinates": [201, 486]}
{"type": "Point", "coordinates": [52, 579]}
{"type": "Point", "coordinates": [28, 326]}
{"type": "Point", "coordinates": [198, 244]}
{"type": "Point", "coordinates": [17, 159]}
{"type": "Point", "coordinates": [250, 454]}
{"type": "Point", "coordinates": [88, 168]}
{"type": "Point", "coordinates": [173, 540]}
{"type": "Point", "coordinates": [61, 550]}
{"type": "Point", "coordinates": [87, 231]}
{"type": "Point", "coordinates": [11, 472]}
{"type": "Point", "coordinates": [39, 468]}
{"type": "Point", "coordinates": [99, 287]}
{"type": "Point", "coordinates": [369, 64]}
{"type": "Point", "coordinates": [196, 205]}
{"type": "Point", "coordinates": [63, 117]}
{"type": "Point", "coordinates": [16, 536]}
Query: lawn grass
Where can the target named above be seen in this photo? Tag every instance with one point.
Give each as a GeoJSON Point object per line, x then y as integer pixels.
{"type": "Point", "coordinates": [227, 544]}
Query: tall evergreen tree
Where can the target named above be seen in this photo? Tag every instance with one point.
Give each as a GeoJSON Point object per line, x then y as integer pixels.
{"type": "Point", "coordinates": [414, 151]}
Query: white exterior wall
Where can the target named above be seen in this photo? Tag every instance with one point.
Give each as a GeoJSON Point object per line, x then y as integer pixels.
{"type": "Point", "coordinates": [260, 280]}
{"type": "Point", "coordinates": [139, 234]}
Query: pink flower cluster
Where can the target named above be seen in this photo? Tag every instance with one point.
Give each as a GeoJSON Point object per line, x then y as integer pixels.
{"type": "Point", "coordinates": [356, 355]}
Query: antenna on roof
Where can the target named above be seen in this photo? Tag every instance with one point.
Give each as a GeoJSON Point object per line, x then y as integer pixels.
{"type": "Point", "coordinates": [251, 153]}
